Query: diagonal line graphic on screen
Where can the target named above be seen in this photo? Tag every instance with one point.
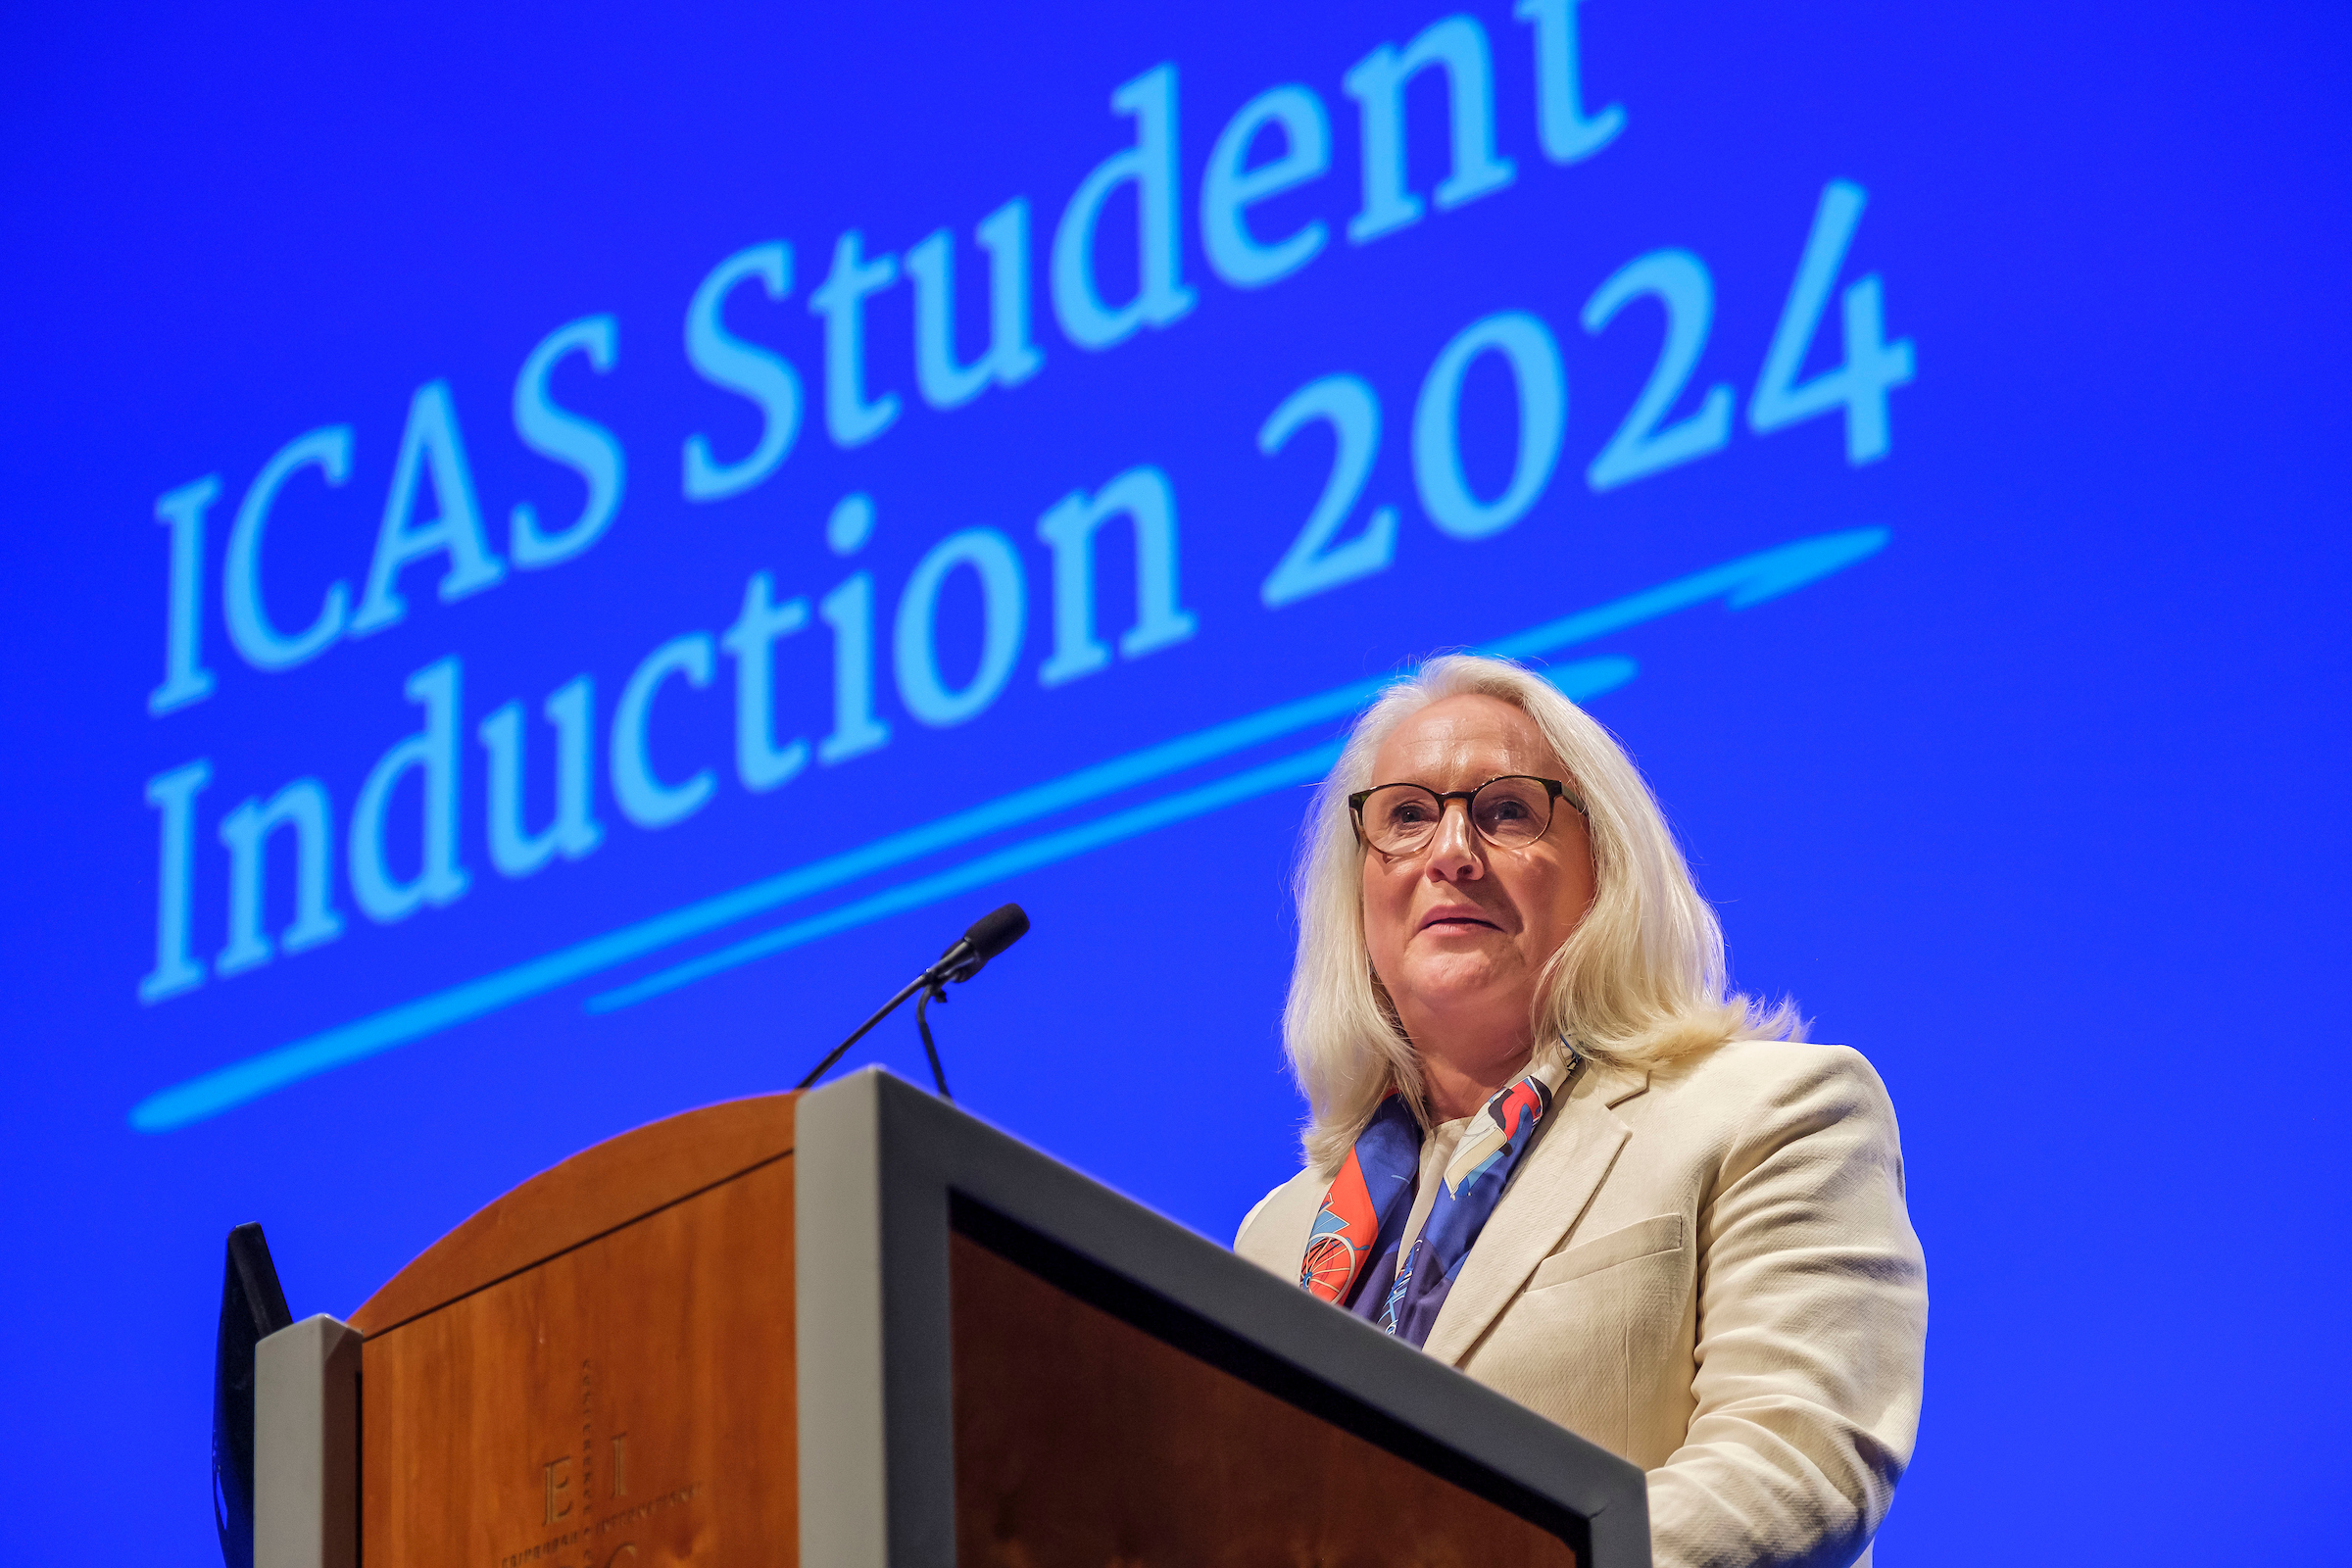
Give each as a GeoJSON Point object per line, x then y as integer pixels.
{"type": "Point", "coordinates": [1586, 679]}
{"type": "Point", "coordinates": [1748, 580]}
{"type": "Point", "coordinates": [1027, 856]}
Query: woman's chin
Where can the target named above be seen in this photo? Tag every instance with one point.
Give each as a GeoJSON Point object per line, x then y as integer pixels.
{"type": "Point", "coordinates": [1472, 980]}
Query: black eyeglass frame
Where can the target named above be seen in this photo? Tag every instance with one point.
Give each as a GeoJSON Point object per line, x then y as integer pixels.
{"type": "Point", "coordinates": [1554, 790]}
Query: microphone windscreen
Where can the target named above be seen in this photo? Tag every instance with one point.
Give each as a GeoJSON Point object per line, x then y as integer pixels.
{"type": "Point", "coordinates": [996, 930]}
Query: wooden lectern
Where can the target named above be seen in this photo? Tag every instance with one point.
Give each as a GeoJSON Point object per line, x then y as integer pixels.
{"type": "Point", "coordinates": [859, 1329]}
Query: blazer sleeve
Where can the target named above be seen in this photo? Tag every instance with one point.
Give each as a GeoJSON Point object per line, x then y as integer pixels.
{"type": "Point", "coordinates": [1811, 1332]}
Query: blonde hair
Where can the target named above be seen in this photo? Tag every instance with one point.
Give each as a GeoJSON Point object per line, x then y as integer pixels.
{"type": "Point", "coordinates": [1640, 982]}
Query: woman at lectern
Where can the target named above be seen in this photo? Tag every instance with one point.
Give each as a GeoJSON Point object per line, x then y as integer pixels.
{"type": "Point", "coordinates": [1548, 1147]}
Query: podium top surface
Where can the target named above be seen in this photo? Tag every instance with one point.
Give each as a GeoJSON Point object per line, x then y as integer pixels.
{"type": "Point", "coordinates": [596, 1191]}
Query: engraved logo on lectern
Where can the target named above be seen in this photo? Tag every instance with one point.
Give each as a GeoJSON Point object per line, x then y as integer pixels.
{"type": "Point", "coordinates": [556, 1473]}
{"type": "Point", "coordinates": [592, 1545]}
{"type": "Point", "coordinates": [584, 1496]}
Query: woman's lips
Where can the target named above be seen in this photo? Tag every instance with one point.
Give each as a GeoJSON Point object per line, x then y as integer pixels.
{"type": "Point", "coordinates": [1460, 919]}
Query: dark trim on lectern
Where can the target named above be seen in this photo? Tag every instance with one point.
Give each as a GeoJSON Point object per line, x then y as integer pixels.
{"type": "Point", "coordinates": [937, 1167]}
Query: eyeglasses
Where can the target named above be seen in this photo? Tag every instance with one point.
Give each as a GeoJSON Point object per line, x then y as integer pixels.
{"type": "Point", "coordinates": [1509, 812]}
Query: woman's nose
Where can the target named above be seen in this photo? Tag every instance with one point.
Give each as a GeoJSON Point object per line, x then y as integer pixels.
{"type": "Point", "coordinates": [1453, 853]}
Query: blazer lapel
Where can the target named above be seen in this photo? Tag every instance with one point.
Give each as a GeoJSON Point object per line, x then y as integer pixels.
{"type": "Point", "coordinates": [1551, 1192]}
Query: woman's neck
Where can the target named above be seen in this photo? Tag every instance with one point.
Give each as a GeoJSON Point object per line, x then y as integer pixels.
{"type": "Point", "coordinates": [1458, 1089]}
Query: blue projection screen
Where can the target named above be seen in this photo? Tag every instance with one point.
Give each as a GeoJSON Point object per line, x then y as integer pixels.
{"type": "Point", "coordinates": [557, 558]}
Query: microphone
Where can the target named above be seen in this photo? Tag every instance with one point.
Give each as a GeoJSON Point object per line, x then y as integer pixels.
{"type": "Point", "coordinates": [966, 958]}
{"type": "Point", "coordinates": [982, 941]}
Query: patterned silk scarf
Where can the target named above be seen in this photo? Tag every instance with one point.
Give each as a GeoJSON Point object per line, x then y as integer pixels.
{"type": "Point", "coordinates": [1351, 1253]}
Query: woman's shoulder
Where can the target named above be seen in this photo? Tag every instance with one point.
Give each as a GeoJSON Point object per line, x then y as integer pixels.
{"type": "Point", "coordinates": [1800, 1076]}
{"type": "Point", "coordinates": [1787, 1106]}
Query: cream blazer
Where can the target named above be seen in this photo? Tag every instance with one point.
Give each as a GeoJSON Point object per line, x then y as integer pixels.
{"type": "Point", "coordinates": [1708, 1270]}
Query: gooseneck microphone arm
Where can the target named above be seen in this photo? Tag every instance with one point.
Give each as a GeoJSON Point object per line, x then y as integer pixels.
{"type": "Point", "coordinates": [987, 937]}
{"type": "Point", "coordinates": [918, 983]}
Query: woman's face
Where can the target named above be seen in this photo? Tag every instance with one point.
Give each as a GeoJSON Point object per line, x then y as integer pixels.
{"type": "Point", "coordinates": [1459, 930]}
